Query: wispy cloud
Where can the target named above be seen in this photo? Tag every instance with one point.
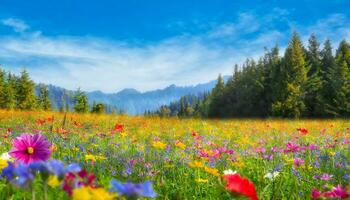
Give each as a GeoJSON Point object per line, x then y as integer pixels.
{"type": "Point", "coordinates": [17, 24]}
{"type": "Point", "coordinates": [100, 64]}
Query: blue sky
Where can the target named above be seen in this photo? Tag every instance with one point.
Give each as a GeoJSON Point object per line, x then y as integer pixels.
{"type": "Point", "coordinates": [111, 45]}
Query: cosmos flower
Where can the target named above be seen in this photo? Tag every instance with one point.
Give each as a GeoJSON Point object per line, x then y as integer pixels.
{"type": "Point", "coordinates": [28, 148]}
{"type": "Point", "coordinates": [239, 185]}
{"type": "Point", "coordinates": [133, 190]}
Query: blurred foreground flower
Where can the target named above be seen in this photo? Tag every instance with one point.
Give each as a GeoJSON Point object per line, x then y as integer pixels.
{"type": "Point", "coordinates": [239, 185]}
{"type": "Point", "coordinates": [133, 190]}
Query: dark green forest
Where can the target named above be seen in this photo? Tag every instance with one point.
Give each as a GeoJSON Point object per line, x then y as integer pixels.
{"type": "Point", "coordinates": [21, 93]}
{"type": "Point", "coordinates": [306, 82]}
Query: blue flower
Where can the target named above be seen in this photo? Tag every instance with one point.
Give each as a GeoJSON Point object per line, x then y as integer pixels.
{"type": "Point", "coordinates": [8, 172]}
{"type": "Point", "coordinates": [133, 190]}
{"type": "Point", "coordinates": [73, 167]}
{"type": "Point", "coordinates": [56, 167]}
{"type": "Point", "coordinates": [23, 176]}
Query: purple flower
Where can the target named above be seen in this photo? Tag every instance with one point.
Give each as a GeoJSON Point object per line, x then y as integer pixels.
{"type": "Point", "coordinates": [326, 177]}
{"type": "Point", "coordinates": [133, 190]}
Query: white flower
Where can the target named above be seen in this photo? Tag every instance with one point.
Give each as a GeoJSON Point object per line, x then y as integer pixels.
{"type": "Point", "coordinates": [271, 176]}
{"type": "Point", "coordinates": [229, 171]}
{"type": "Point", "coordinates": [6, 156]}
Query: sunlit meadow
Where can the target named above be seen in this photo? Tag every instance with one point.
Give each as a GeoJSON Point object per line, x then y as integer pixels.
{"type": "Point", "coordinates": [183, 159]}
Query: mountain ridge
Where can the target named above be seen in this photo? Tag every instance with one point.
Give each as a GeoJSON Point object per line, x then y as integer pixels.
{"type": "Point", "coordinates": [130, 100]}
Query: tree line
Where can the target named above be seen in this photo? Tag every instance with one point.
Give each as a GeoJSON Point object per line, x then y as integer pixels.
{"type": "Point", "coordinates": [309, 81]}
{"type": "Point", "coordinates": [19, 92]}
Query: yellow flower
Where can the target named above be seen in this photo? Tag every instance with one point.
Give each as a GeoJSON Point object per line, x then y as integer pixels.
{"type": "Point", "coordinates": [90, 157]}
{"type": "Point", "coordinates": [53, 181]}
{"type": "Point", "coordinates": [180, 145]}
{"type": "Point", "coordinates": [88, 193]}
{"type": "Point", "coordinates": [212, 171]}
{"type": "Point", "coordinates": [199, 180]}
{"type": "Point", "coordinates": [3, 164]}
{"type": "Point", "coordinates": [102, 194]}
{"type": "Point", "coordinates": [82, 193]}
{"type": "Point", "coordinates": [159, 145]}
{"type": "Point", "coordinates": [196, 164]}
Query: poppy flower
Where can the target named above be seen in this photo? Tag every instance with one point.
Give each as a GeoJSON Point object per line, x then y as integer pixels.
{"type": "Point", "coordinates": [118, 128]}
{"type": "Point", "coordinates": [28, 148]}
{"type": "Point", "coordinates": [303, 131]}
{"type": "Point", "coordinates": [239, 185]}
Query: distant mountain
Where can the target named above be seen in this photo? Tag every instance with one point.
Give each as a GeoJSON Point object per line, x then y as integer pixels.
{"type": "Point", "coordinates": [132, 101]}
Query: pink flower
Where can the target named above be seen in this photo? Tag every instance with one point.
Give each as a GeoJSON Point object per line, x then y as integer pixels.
{"type": "Point", "coordinates": [326, 177]}
{"type": "Point", "coordinates": [291, 147]}
{"type": "Point", "coordinates": [340, 192]}
{"type": "Point", "coordinates": [28, 148]}
{"type": "Point", "coordinates": [315, 194]}
{"type": "Point", "coordinates": [298, 162]}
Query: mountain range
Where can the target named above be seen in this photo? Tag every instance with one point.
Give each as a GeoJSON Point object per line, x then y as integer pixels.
{"type": "Point", "coordinates": [130, 100]}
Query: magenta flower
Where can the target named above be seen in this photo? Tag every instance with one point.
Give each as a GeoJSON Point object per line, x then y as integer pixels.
{"type": "Point", "coordinates": [298, 162]}
{"type": "Point", "coordinates": [315, 194]}
{"type": "Point", "coordinates": [28, 148]}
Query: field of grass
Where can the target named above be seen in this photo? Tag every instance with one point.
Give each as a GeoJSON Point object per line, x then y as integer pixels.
{"type": "Point", "coordinates": [185, 159]}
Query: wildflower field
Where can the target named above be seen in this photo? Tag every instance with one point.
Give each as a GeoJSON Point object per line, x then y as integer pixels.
{"type": "Point", "coordinates": [62, 156]}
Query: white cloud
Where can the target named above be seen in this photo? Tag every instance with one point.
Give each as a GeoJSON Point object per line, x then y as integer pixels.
{"type": "Point", "coordinates": [98, 64]}
{"type": "Point", "coordinates": [17, 24]}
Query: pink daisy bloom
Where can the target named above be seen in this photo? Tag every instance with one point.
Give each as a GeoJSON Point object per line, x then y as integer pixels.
{"type": "Point", "coordinates": [28, 148]}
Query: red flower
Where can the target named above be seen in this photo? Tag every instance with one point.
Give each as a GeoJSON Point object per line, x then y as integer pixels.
{"type": "Point", "coordinates": [76, 180]}
{"type": "Point", "coordinates": [303, 131]}
{"type": "Point", "coordinates": [240, 185]}
{"type": "Point", "coordinates": [194, 134]}
{"type": "Point", "coordinates": [118, 128]}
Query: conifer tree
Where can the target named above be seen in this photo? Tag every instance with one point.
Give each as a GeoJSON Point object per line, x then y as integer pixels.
{"type": "Point", "coordinates": [216, 98]}
{"type": "Point", "coordinates": [339, 78]}
{"type": "Point", "coordinates": [98, 108]}
{"type": "Point", "coordinates": [25, 92]}
{"type": "Point", "coordinates": [294, 73]}
{"type": "Point", "coordinates": [44, 101]}
{"type": "Point", "coordinates": [313, 97]}
{"type": "Point", "coordinates": [2, 87]}
{"type": "Point", "coordinates": [81, 102]}
{"type": "Point", "coordinates": [10, 92]}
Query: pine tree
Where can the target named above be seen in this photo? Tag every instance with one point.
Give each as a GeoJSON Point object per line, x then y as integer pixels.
{"type": "Point", "coordinates": [81, 102]}
{"type": "Point", "coordinates": [313, 98]}
{"type": "Point", "coordinates": [294, 73]}
{"type": "Point", "coordinates": [327, 63]}
{"type": "Point", "coordinates": [98, 108]}
{"type": "Point", "coordinates": [10, 92]}
{"type": "Point", "coordinates": [339, 78]}
{"type": "Point", "coordinates": [44, 101]}
{"type": "Point", "coordinates": [215, 108]}
{"type": "Point", "coordinates": [25, 92]}
{"type": "Point", "coordinates": [2, 88]}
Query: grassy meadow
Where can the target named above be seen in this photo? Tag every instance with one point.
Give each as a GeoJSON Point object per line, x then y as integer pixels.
{"type": "Point", "coordinates": [185, 158]}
